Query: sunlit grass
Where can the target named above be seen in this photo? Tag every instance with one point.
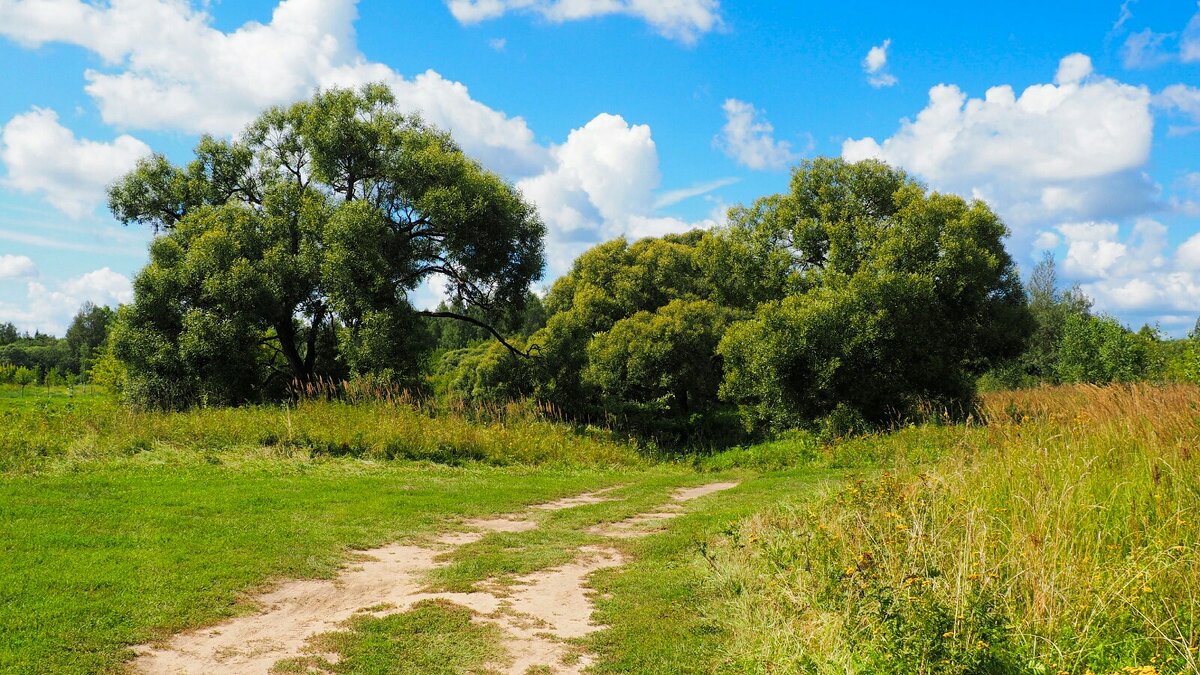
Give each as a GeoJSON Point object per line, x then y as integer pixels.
{"type": "Point", "coordinates": [53, 433]}
{"type": "Point", "coordinates": [1063, 537]}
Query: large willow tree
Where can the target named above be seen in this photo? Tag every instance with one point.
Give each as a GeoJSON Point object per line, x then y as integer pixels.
{"type": "Point", "coordinates": [291, 253]}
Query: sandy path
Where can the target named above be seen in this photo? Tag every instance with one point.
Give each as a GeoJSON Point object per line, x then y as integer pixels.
{"type": "Point", "coordinates": [537, 612]}
{"type": "Point", "coordinates": [651, 522]}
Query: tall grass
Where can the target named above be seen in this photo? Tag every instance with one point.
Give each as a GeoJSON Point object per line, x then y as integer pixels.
{"type": "Point", "coordinates": [1062, 538]}
{"type": "Point", "coordinates": [61, 434]}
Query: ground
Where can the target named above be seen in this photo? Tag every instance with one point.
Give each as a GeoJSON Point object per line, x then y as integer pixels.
{"type": "Point", "coordinates": [1060, 536]}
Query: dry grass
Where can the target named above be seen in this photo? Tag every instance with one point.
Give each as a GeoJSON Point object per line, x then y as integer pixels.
{"type": "Point", "coordinates": [1063, 537]}
{"type": "Point", "coordinates": [62, 434]}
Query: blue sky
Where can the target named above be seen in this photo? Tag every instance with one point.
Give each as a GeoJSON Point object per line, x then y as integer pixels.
{"type": "Point", "coordinates": [1078, 121]}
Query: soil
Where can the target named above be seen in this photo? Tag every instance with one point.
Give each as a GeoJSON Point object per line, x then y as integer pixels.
{"type": "Point", "coordinates": [537, 612]}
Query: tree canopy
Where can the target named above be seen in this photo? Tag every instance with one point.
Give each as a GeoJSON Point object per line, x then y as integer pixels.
{"type": "Point", "coordinates": [291, 253]}
{"type": "Point", "coordinates": [858, 291]}
{"type": "Point", "coordinates": [898, 297]}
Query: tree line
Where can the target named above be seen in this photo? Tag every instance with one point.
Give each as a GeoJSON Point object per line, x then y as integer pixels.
{"type": "Point", "coordinates": [856, 299]}
{"type": "Point", "coordinates": [43, 359]}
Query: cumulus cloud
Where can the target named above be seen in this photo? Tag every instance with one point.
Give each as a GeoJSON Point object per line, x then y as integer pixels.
{"type": "Point", "coordinates": [1071, 149]}
{"type": "Point", "coordinates": [1134, 272]}
{"type": "Point", "coordinates": [43, 157]}
{"type": "Point", "coordinates": [600, 185]}
{"type": "Point", "coordinates": [682, 20]}
{"type": "Point", "coordinates": [875, 66]}
{"type": "Point", "coordinates": [169, 68]}
{"type": "Point", "coordinates": [749, 139]}
{"type": "Point", "coordinates": [1181, 100]}
{"type": "Point", "coordinates": [49, 310]}
{"type": "Point", "coordinates": [16, 267]}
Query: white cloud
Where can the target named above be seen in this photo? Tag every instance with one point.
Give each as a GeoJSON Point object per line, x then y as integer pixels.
{"type": "Point", "coordinates": [748, 138]}
{"type": "Point", "coordinates": [44, 157]}
{"type": "Point", "coordinates": [1189, 42]}
{"type": "Point", "coordinates": [50, 310]}
{"type": "Point", "coordinates": [1046, 241]}
{"type": "Point", "coordinates": [16, 267]}
{"type": "Point", "coordinates": [1073, 69]}
{"type": "Point", "coordinates": [1182, 100]}
{"type": "Point", "coordinates": [498, 44]}
{"type": "Point", "coordinates": [1134, 273]}
{"type": "Point", "coordinates": [1091, 249]}
{"type": "Point", "coordinates": [169, 68]}
{"type": "Point", "coordinates": [600, 185]}
{"type": "Point", "coordinates": [1188, 254]}
{"type": "Point", "coordinates": [875, 66]}
{"type": "Point", "coordinates": [683, 20]}
{"type": "Point", "coordinates": [672, 197]}
{"type": "Point", "coordinates": [1070, 149]}
{"type": "Point", "coordinates": [1145, 49]}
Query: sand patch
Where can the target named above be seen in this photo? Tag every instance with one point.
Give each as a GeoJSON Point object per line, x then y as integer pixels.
{"type": "Point", "coordinates": [688, 494]}
{"type": "Point", "coordinates": [584, 499]}
{"type": "Point", "coordinates": [648, 523]}
{"type": "Point", "coordinates": [293, 613]}
{"type": "Point", "coordinates": [538, 612]}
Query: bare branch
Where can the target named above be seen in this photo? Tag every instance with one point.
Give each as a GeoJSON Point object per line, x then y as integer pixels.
{"type": "Point", "coordinates": [527, 354]}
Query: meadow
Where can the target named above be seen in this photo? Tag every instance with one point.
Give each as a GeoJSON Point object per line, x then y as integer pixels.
{"type": "Point", "coordinates": [1056, 532]}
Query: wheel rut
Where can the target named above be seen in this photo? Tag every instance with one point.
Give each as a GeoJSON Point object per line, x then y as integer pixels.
{"type": "Point", "coordinates": [538, 613]}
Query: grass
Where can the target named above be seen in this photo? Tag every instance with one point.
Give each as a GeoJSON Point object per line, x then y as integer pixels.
{"type": "Point", "coordinates": [435, 637]}
{"type": "Point", "coordinates": [104, 559]}
{"type": "Point", "coordinates": [663, 608]}
{"type": "Point", "coordinates": [1064, 537]}
{"type": "Point", "coordinates": [55, 433]}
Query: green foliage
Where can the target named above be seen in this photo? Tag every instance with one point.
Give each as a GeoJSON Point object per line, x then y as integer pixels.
{"type": "Point", "coordinates": [107, 370]}
{"type": "Point", "coordinates": [8, 334]}
{"type": "Point", "coordinates": [1098, 350]}
{"type": "Point", "coordinates": [289, 255]}
{"type": "Point", "coordinates": [901, 298]}
{"type": "Point", "coordinates": [23, 377]}
{"type": "Point", "coordinates": [630, 338]}
{"type": "Point", "coordinates": [38, 352]}
{"type": "Point", "coordinates": [88, 330]}
{"type": "Point", "coordinates": [665, 361]}
{"type": "Point", "coordinates": [857, 298]}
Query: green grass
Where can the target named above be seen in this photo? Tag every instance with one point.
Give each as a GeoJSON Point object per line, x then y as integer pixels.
{"type": "Point", "coordinates": [103, 559]}
{"type": "Point", "coordinates": [663, 609]}
{"type": "Point", "coordinates": [435, 637]}
{"type": "Point", "coordinates": [56, 433]}
{"type": "Point", "coordinates": [1063, 536]}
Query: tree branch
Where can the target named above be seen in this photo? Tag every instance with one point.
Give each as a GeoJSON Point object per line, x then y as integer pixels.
{"type": "Point", "coordinates": [527, 354]}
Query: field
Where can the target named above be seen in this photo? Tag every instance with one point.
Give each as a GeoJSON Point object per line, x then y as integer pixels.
{"type": "Point", "coordinates": [1056, 534]}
